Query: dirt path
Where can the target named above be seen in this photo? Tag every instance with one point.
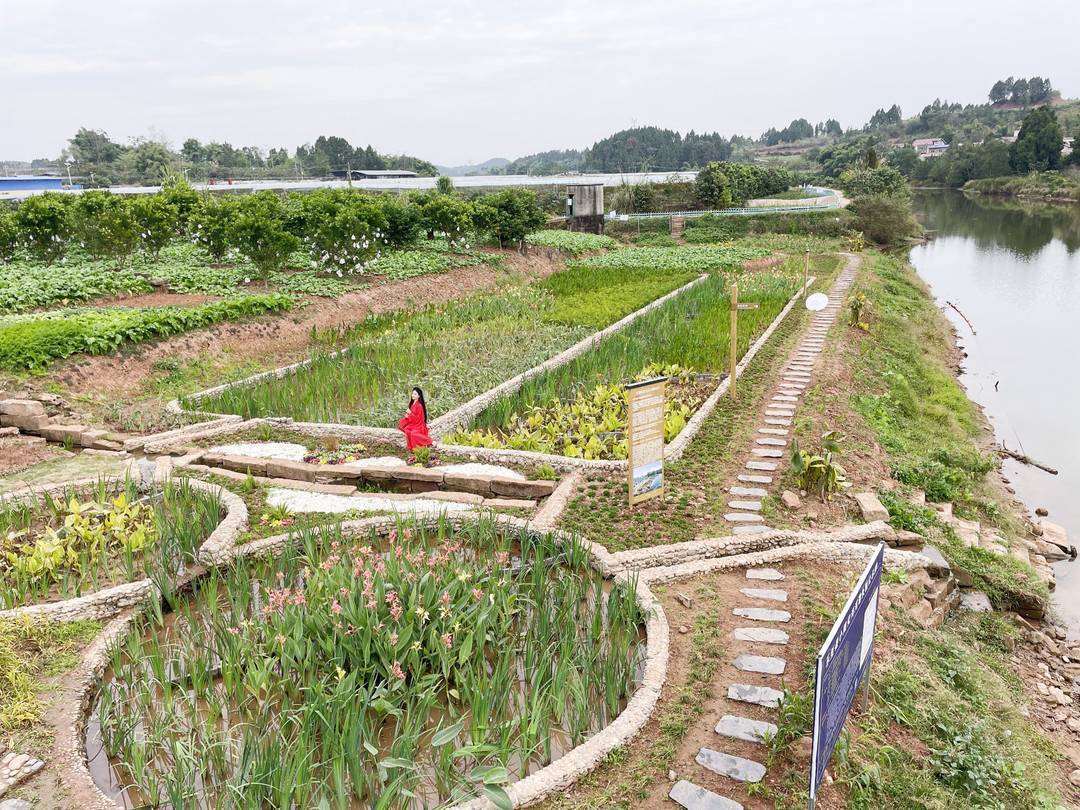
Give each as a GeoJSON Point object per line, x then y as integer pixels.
{"type": "Point", "coordinates": [271, 342]}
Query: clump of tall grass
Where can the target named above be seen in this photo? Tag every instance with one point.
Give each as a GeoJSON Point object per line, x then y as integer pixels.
{"type": "Point", "coordinates": [407, 670]}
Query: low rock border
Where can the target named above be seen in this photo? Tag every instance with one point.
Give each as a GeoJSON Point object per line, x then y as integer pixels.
{"type": "Point", "coordinates": [110, 601]}
{"type": "Point", "coordinates": [560, 774]}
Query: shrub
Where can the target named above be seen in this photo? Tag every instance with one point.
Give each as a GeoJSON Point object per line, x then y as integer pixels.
{"type": "Point", "coordinates": [446, 215]}
{"type": "Point", "coordinates": [712, 187]}
{"type": "Point", "coordinates": [157, 220]}
{"type": "Point", "coordinates": [210, 223]}
{"type": "Point", "coordinates": [342, 229]}
{"type": "Point", "coordinates": [183, 198]}
{"type": "Point", "coordinates": [883, 180]}
{"type": "Point", "coordinates": [44, 224]}
{"type": "Point", "coordinates": [402, 221]}
{"type": "Point", "coordinates": [105, 225]}
{"type": "Point", "coordinates": [884, 220]}
{"type": "Point", "coordinates": [9, 233]}
{"type": "Point", "coordinates": [508, 215]}
{"type": "Point", "coordinates": [258, 232]}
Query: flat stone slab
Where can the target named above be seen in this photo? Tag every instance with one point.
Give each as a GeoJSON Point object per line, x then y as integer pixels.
{"type": "Point", "coordinates": [763, 453]}
{"type": "Point", "coordinates": [871, 507]}
{"type": "Point", "coordinates": [758, 695]}
{"type": "Point", "coordinates": [773, 431]}
{"type": "Point", "coordinates": [976, 601]}
{"type": "Point", "coordinates": [761, 465]}
{"type": "Point", "coordinates": [770, 574]}
{"type": "Point", "coordinates": [771, 594]}
{"type": "Point", "coordinates": [743, 770]}
{"type": "Point", "coordinates": [750, 528]}
{"type": "Point", "coordinates": [785, 398]}
{"type": "Point", "coordinates": [742, 517]}
{"type": "Point", "coordinates": [751, 506]}
{"type": "Point", "coordinates": [755, 479]}
{"type": "Point", "coordinates": [743, 728]}
{"type": "Point", "coordinates": [765, 664]}
{"type": "Point", "coordinates": [776, 420]}
{"type": "Point", "coordinates": [761, 635]}
{"type": "Point", "coordinates": [762, 614]}
{"type": "Point", "coordinates": [688, 795]}
{"type": "Point", "coordinates": [782, 412]}
{"type": "Point", "coordinates": [770, 442]}
{"type": "Point", "coordinates": [748, 492]}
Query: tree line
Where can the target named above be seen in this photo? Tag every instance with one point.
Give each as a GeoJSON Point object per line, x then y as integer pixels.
{"type": "Point", "coordinates": [97, 161]}
{"type": "Point", "coordinates": [1035, 90]}
{"type": "Point", "coordinates": [339, 230]}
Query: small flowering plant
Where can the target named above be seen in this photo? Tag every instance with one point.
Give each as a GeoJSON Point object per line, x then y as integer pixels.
{"type": "Point", "coordinates": [427, 662]}
{"type": "Point", "coordinates": [338, 454]}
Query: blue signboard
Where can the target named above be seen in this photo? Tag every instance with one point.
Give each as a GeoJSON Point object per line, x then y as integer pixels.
{"type": "Point", "coordinates": [842, 663]}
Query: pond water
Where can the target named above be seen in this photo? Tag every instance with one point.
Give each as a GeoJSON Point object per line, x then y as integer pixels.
{"type": "Point", "coordinates": [1013, 269]}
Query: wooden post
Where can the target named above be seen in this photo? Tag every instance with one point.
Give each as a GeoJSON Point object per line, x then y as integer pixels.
{"type": "Point", "coordinates": [805, 272]}
{"type": "Point", "coordinates": [734, 335]}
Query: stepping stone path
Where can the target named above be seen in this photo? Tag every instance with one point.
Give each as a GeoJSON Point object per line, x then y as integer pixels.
{"type": "Point", "coordinates": [14, 768]}
{"type": "Point", "coordinates": [734, 726]}
{"type": "Point", "coordinates": [798, 373]}
{"type": "Point", "coordinates": [692, 797]}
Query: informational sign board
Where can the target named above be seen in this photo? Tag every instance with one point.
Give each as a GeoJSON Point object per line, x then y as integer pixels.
{"type": "Point", "coordinates": [842, 663]}
{"type": "Point", "coordinates": [645, 439]}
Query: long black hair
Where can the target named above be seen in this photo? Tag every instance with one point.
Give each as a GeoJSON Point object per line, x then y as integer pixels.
{"type": "Point", "coordinates": [423, 404]}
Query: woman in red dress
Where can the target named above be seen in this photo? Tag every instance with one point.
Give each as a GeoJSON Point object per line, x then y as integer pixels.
{"type": "Point", "coordinates": [414, 423]}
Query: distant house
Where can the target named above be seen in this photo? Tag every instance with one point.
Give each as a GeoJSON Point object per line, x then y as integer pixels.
{"type": "Point", "coordinates": [1067, 146]}
{"type": "Point", "coordinates": [929, 147]}
{"type": "Point", "coordinates": [373, 174]}
{"type": "Point", "coordinates": [31, 182]}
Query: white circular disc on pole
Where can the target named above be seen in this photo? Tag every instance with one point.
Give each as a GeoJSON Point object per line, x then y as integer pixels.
{"type": "Point", "coordinates": [817, 302]}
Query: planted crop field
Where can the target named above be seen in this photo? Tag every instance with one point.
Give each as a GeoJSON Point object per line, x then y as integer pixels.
{"type": "Point", "coordinates": [82, 541]}
{"type": "Point", "coordinates": [571, 242]}
{"type": "Point", "coordinates": [579, 410]}
{"type": "Point", "coordinates": [685, 259]}
{"type": "Point", "coordinates": [33, 341]}
{"type": "Point", "coordinates": [413, 669]}
{"type": "Point", "coordinates": [453, 353]}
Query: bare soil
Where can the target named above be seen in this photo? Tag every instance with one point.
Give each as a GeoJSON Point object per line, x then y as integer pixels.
{"type": "Point", "coordinates": [18, 454]}
{"type": "Point", "coordinates": [157, 299]}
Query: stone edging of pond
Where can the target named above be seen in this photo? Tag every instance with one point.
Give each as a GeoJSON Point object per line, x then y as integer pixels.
{"type": "Point", "coordinates": [110, 601]}
{"type": "Point", "coordinates": [71, 747]}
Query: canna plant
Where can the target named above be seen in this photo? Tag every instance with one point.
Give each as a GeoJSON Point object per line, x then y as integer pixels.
{"type": "Point", "coordinates": [818, 472]}
{"type": "Point", "coordinates": [415, 668]}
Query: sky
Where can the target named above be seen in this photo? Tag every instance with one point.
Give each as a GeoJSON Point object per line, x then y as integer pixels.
{"type": "Point", "coordinates": [460, 82]}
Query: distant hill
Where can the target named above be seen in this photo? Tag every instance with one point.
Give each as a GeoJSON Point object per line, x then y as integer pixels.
{"type": "Point", "coordinates": [492, 166]}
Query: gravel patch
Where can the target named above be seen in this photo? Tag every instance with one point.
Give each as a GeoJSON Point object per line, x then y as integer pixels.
{"type": "Point", "coordinates": [288, 451]}
{"type": "Point", "coordinates": [299, 501]}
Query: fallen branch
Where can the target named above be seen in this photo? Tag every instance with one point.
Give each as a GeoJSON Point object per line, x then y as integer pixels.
{"type": "Point", "coordinates": [1024, 459]}
{"type": "Point", "coordinates": [962, 315]}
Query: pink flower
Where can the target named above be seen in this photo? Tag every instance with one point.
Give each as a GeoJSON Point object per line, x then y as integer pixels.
{"type": "Point", "coordinates": [391, 597]}
{"type": "Point", "coordinates": [445, 598]}
{"type": "Point", "coordinates": [477, 594]}
{"type": "Point", "coordinates": [280, 639]}
{"type": "Point", "coordinates": [393, 639]}
{"type": "Point", "coordinates": [371, 604]}
{"type": "Point", "coordinates": [397, 671]}
{"type": "Point", "coordinates": [343, 591]}
{"type": "Point", "coordinates": [232, 631]}
{"type": "Point", "coordinates": [448, 640]}
{"type": "Point", "coordinates": [396, 611]}
{"type": "Point", "coordinates": [335, 608]}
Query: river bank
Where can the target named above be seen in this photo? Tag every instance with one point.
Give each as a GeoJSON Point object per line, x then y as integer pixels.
{"type": "Point", "coordinates": [1011, 270]}
{"type": "Point", "coordinates": [1045, 186]}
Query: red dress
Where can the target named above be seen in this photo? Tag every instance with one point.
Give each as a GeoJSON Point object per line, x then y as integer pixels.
{"type": "Point", "coordinates": [414, 426]}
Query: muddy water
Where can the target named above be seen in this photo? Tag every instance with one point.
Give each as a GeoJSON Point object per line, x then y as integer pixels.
{"type": "Point", "coordinates": [1014, 270]}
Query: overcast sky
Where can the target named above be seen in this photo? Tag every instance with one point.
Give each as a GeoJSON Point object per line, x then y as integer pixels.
{"type": "Point", "coordinates": [459, 81]}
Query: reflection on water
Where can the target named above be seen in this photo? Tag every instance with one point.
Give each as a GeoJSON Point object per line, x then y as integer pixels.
{"type": "Point", "coordinates": [1014, 270]}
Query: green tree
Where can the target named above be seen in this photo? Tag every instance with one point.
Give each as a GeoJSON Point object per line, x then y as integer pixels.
{"type": "Point", "coordinates": [402, 220]}
{"type": "Point", "coordinates": [44, 223]}
{"type": "Point", "coordinates": [258, 232]}
{"type": "Point", "coordinates": [343, 229]}
{"type": "Point", "coordinates": [180, 195]}
{"type": "Point", "coordinates": [157, 220]}
{"type": "Point", "coordinates": [91, 148]}
{"type": "Point", "coordinates": [445, 215]}
{"type": "Point", "coordinates": [105, 225]}
{"type": "Point", "coordinates": [712, 187]}
{"type": "Point", "coordinates": [883, 180]}
{"type": "Point", "coordinates": [211, 224]}
{"type": "Point", "coordinates": [9, 233]}
{"type": "Point", "coordinates": [883, 219]}
{"type": "Point", "coordinates": [999, 92]}
{"type": "Point", "coordinates": [1038, 146]}
{"type": "Point", "coordinates": [508, 215]}
{"type": "Point", "coordinates": [444, 185]}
